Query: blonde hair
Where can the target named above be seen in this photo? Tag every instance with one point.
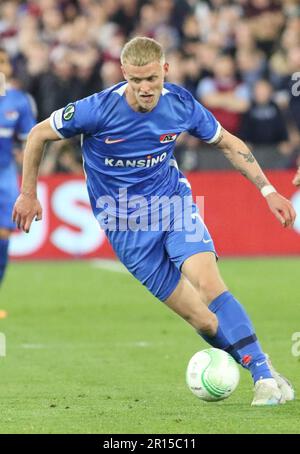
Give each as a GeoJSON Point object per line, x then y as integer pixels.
{"type": "Point", "coordinates": [140, 51]}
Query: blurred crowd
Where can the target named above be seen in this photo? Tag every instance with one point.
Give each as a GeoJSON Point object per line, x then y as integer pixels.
{"type": "Point", "coordinates": [238, 58]}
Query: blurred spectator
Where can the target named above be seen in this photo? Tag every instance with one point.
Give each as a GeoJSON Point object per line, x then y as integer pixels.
{"type": "Point", "coordinates": [265, 20]}
{"type": "Point", "coordinates": [9, 26]}
{"type": "Point", "coordinates": [126, 15]}
{"type": "Point", "coordinates": [207, 55]}
{"type": "Point", "coordinates": [263, 123]}
{"type": "Point", "coordinates": [176, 72]}
{"type": "Point", "coordinates": [56, 87]}
{"type": "Point", "coordinates": [294, 70]}
{"type": "Point", "coordinates": [63, 50]}
{"type": "Point", "coordinates": [224, 95]}
{"type": "Point", "coordinates": [192, 74]}
{"type": "Point", "coordinates": [251, 65]}
{"type": "Point", "coordinates": [86, 67]}
{"type": "Point", "coordinates": [62, 157]}
{"type": "Point", "coordinates": [244, 38]}
{"type": "Point", "coordinates": [110, 74]}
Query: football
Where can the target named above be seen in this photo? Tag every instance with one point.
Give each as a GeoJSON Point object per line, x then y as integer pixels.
{"type": "Point", "coordinates": [212, 374]}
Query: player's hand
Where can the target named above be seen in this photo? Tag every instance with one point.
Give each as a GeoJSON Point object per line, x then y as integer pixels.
{"type": "Point", "coordinates": [26, 208]}
{"type": "Point", "coordinates": [282, 209]}
{"type": "Point", "coordinates": [296, 180]}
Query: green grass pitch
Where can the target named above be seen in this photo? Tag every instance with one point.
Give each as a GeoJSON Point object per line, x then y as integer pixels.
{"type": "Point", "coordinates": [91, 351]}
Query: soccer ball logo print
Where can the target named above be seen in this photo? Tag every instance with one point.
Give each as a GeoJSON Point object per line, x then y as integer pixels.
{"type": "Point", "coordinates": [212, 375]}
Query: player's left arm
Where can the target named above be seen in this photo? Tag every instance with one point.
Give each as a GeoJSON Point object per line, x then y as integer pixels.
{"type": "Point", "coordinates": [237, 152]}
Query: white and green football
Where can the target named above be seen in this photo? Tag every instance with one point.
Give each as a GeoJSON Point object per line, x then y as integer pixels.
{"type": "Point", "coordinates": [212, 374]}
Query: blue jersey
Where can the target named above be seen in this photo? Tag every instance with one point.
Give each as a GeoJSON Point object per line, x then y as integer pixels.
{"type": "Point", "coordinates": [126, 149]}
{"type": "Point", "coordinates": [16, 120]}
{"type": "Point", "coordinates": [133, 151]}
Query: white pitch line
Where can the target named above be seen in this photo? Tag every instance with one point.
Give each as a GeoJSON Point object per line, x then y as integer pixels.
{"type": "Point", "coordinates": [139, 344]}
{"type": "Point", "coordinates": [109, 265]}
{"type": "Point", "coordinates": [142, 344]}
{"type": "Point", "coordinates": [33, 346]}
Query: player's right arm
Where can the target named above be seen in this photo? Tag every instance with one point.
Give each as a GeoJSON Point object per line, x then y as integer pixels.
{"type": "Point", "coordinates": [81, 117]}
{"type": "Point", "coordinates": [27, 206]}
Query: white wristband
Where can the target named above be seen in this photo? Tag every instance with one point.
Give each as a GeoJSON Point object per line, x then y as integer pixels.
{"type": "Point", "coordinates": [266, 190]}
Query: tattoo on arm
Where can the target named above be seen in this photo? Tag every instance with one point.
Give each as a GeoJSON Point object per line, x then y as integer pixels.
{"type": "Point", "coordinates": [247, 171]}
{"type": "Point", "coordinates": [260, 181]}
{"type": "Point", "coordinates": [247, 156]}
{"type": "Point", "coordinates": [228, 155]}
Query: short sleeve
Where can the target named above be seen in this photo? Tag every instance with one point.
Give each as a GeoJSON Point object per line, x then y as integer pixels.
{"type": "Point", "coordinates": [203, 124]}
{"type": "Point", "coordinates": [80, 117]}
{"type": "Point", "coordinates": [27, 116]}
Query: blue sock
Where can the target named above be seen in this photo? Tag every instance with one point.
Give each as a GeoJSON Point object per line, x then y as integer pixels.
{"type": "Point", "coordinates": [3, 256]}
{"type": "Point", "coordinates": [236, 335]}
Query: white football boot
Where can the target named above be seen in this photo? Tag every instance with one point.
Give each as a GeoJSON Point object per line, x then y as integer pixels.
{"type": "Point", "coordinates": [283, 383]}
{"type": "Point", "coordinates": [267, 392]}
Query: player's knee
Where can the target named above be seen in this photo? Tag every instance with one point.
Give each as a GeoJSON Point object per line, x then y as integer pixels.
{"type": "Point", "coordinates": [206, 288]}
{"type": "Point", "coordinates": [4, 234]}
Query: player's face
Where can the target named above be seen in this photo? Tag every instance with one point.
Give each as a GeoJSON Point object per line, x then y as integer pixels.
{"type": "Point", "coordinates": [5, 66]}
{"type": "Point", "coordinates": [145, 84]}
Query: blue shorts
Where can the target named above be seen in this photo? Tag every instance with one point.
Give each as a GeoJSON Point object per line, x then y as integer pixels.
{"type": "Point", "coordinates": [155, 257]}
{"type": "Point", "coordinates": [8, 193]}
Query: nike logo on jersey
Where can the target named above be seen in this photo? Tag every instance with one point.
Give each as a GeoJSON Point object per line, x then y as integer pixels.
{"type": "Point", "coordinates": [167, 138]}
{"type": "Point", "coordinates": [109, 141]}
{"type": "Point", "coordinates": [206, 241]}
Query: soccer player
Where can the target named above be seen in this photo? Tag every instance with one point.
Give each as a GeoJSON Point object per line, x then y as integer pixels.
{"type": "Point", "coordinates": [128, 136]}
{"type": "Point", "coordinates": [16, 119]}
{"type": "Point", "coordinates": [296, 180]}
